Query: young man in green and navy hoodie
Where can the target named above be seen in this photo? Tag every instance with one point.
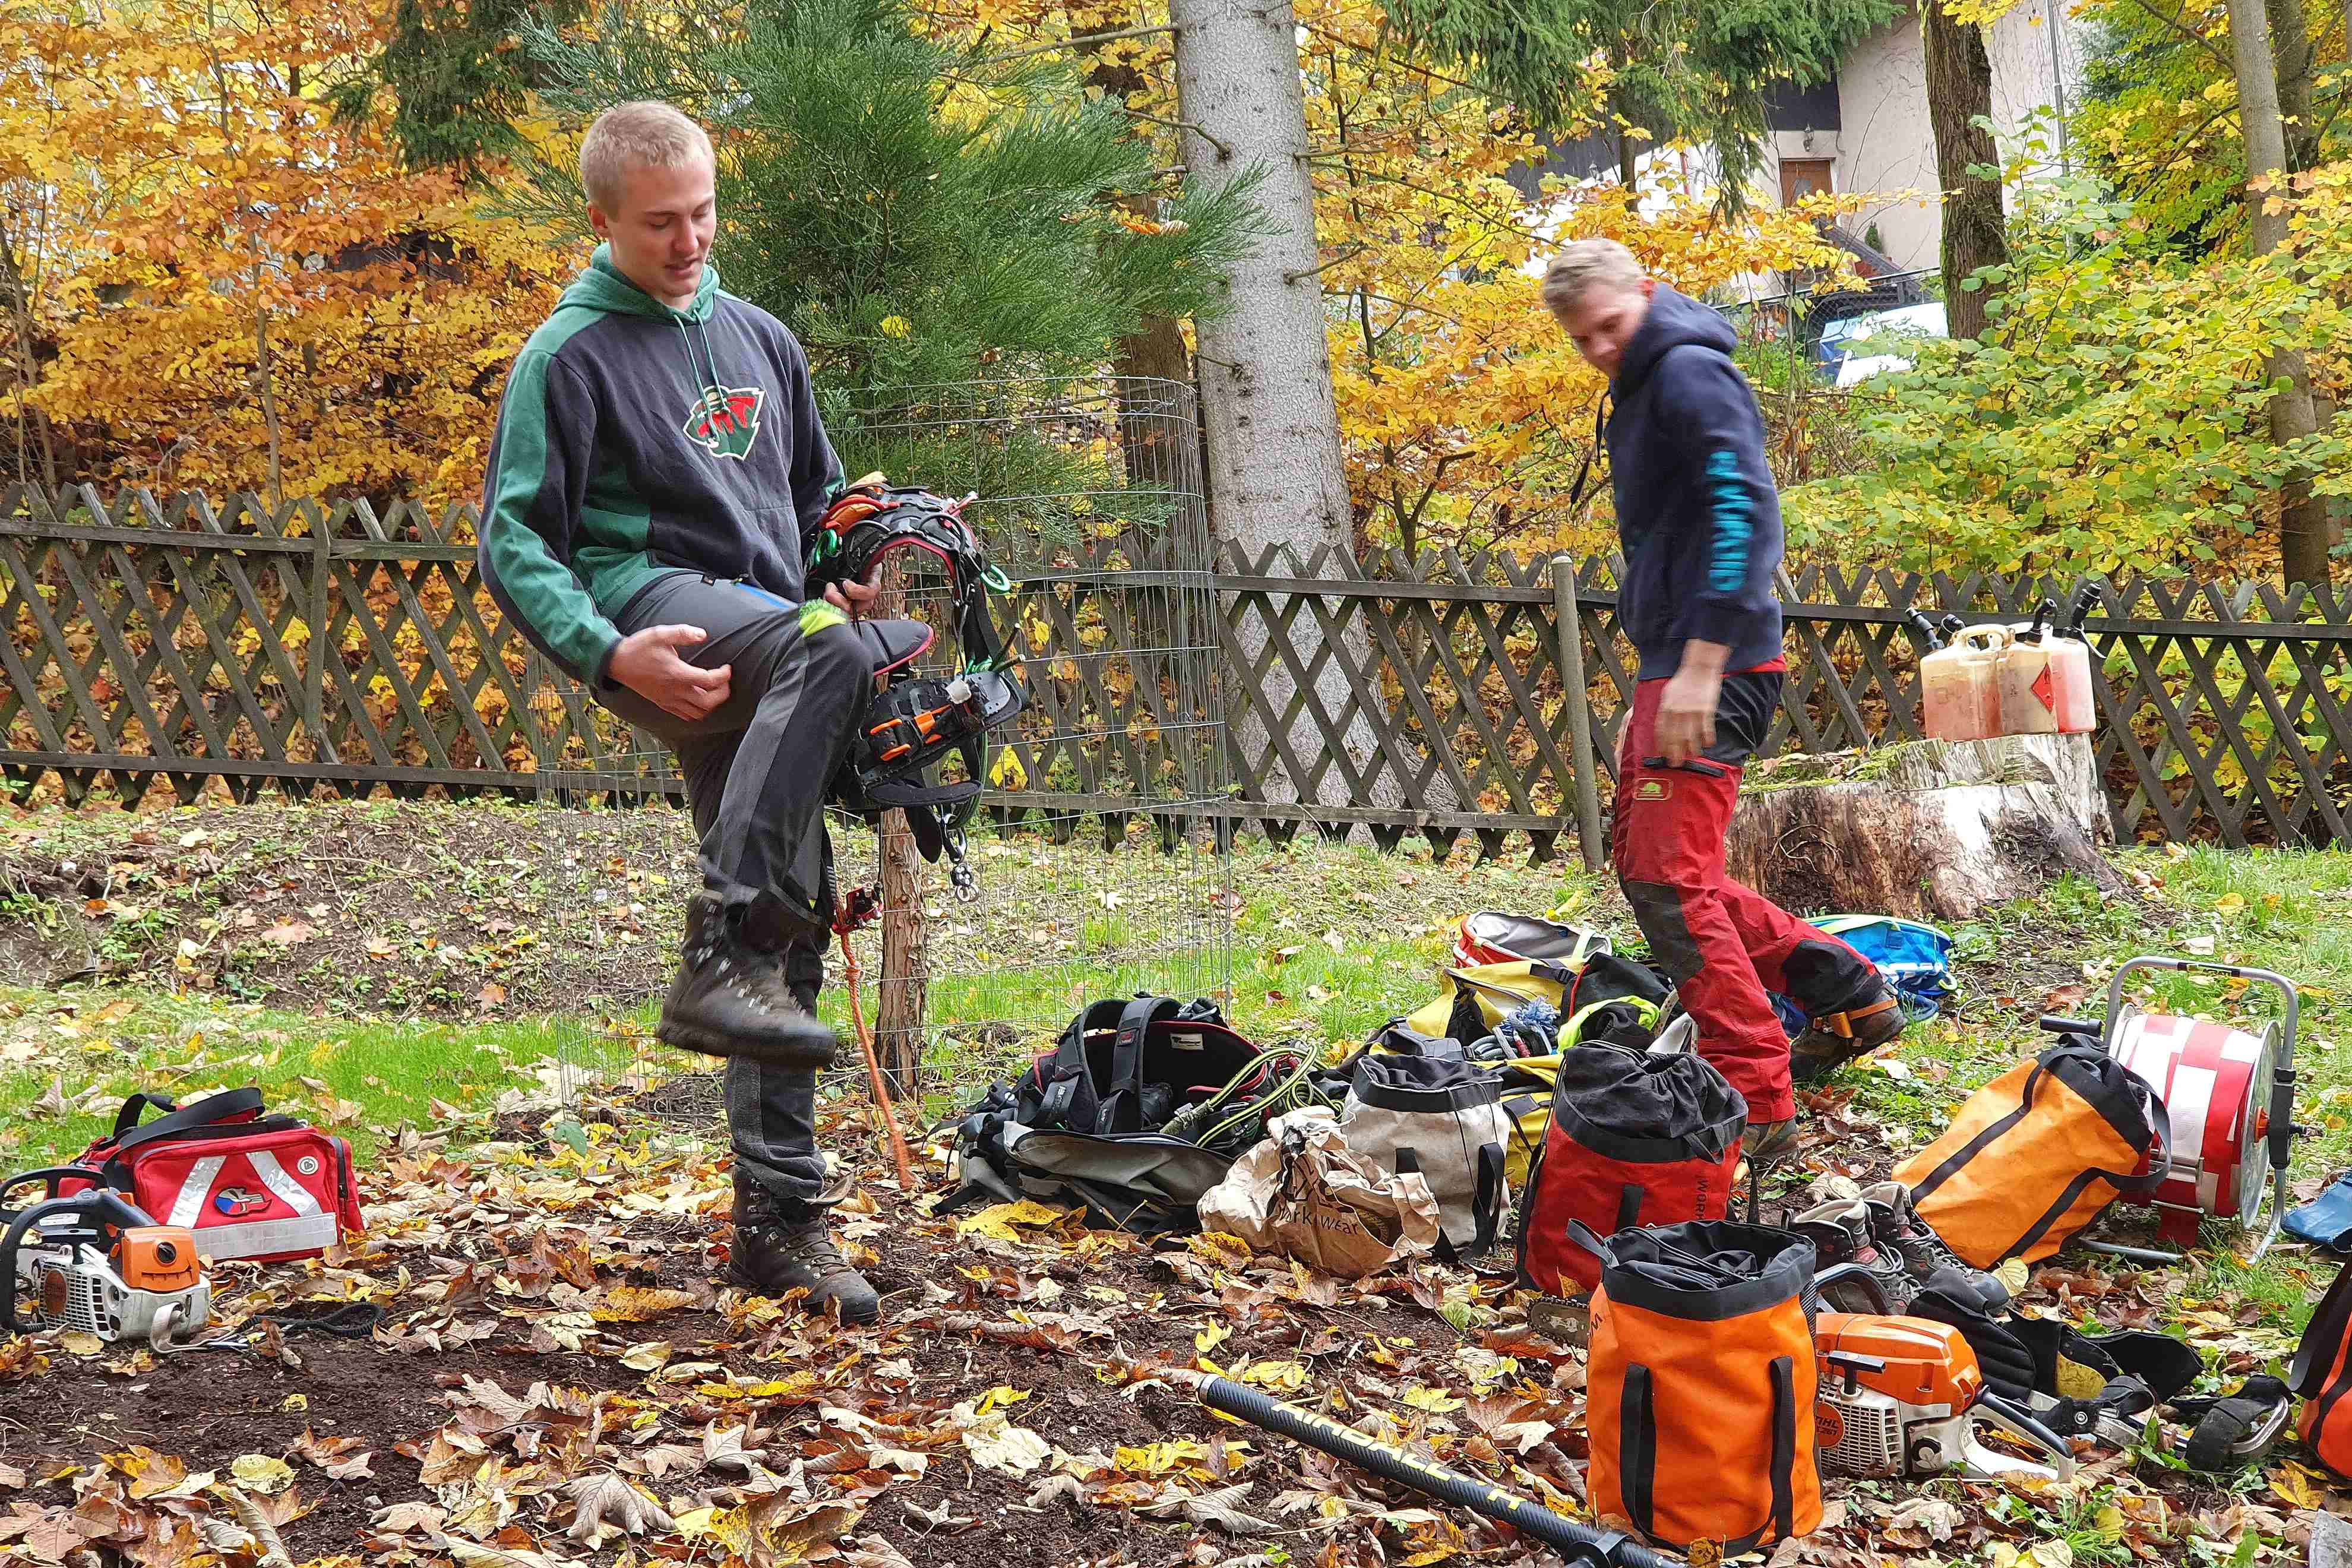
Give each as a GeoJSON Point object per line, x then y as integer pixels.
{"type": "Point", "coordinates": [657, 461]}
{"type": "Point", "coordinates": [1699, 522]}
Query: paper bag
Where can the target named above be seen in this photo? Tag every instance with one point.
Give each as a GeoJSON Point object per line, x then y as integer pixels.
{"type": "Point", "coordinates": [1302, 1193]}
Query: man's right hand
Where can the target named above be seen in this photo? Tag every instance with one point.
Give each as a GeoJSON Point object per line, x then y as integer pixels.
{"type": "Point", "coordinates": [647, 663]}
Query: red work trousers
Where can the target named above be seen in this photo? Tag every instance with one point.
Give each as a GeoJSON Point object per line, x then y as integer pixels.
{"type": "Point", "coordinates": [1723, 944]}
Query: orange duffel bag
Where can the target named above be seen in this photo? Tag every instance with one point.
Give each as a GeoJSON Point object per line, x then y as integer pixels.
{"type": "Point", "coordinates": [2321, 1374]}
{"type": "Point", "coordinates": [2034, 1155]}
{"type": "Point", "coordinates": [1699, 1389]}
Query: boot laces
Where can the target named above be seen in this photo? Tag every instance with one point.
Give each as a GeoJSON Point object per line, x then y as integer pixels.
{"type": "Point", "coordinates": [808, 1241]}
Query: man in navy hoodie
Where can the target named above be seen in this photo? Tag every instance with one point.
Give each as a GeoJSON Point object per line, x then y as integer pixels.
{"type": "Point", "coordinates": [657, 462]}
{"type": "Point", "coordinates": [1699, 523]}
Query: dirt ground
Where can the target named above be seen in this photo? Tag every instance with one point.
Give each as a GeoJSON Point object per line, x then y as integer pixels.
{"type": "Point", "coordinates": [560, 1373]}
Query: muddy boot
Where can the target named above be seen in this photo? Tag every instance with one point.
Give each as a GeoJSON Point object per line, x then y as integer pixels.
{"type": "Point", "coordinates": [1895, 1225]}
{"type": "Point", "coordinates": [731, 998]}
{"type": "Point", "coordinates": [781, 1246]}
{"type": "Point", "coordinates": [1840, 1232]}
{"type": "Point", "coordinates": [1832, 1039]}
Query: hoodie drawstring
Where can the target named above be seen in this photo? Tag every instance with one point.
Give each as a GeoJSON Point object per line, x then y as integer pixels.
{"type": "Point", "coordinates": [709, 391]}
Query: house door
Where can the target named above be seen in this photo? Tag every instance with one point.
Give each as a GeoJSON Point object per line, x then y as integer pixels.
{"type": "Point", "coordinates": [1803, 177]}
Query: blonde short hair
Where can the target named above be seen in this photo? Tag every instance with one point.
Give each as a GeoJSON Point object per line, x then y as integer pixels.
{"type": "Point", "coordinates": [1585, 266]}
{"type": "Point", "coordinates": [653, 135]}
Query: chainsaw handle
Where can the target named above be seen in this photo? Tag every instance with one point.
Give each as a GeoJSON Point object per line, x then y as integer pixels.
{"type": "Point", "coordinates": [2057, 1025]}
{"type": "Point", "coordinates": [103, 1210]}
{"type": "Point", "coordinates": [2017, 1423]}
{"type": "Point", "coordinates": [51, 1178]}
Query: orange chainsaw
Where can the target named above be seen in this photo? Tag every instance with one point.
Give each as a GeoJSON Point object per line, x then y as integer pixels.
{"type": "Point", "coordinates": [1904, 1396]}
{"type": "Point", "coordinates": [91, 1261]}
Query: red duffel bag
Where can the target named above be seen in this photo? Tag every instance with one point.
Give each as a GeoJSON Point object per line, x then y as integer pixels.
{"type": "Point", "coordinates": [249, 1184]}
{"type": "Point", "coordinates": [1633, 1140]}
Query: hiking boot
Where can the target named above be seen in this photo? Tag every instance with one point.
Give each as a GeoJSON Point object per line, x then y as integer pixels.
{"type": "Point", "coordinates": [731, 998]}
{"type": "Point", "coordinates": [1895, 1225]}
{"type": "Point", "coordinates": [1832, 1039]}
{"type": "Point", "coordinates": [782, 1245]}
{"type": "Point", "coordinates": [1840, 1232]}
{"type": "Point", "coordinates": [1765, 1142]}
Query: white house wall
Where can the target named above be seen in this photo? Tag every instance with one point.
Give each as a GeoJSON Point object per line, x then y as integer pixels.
{"type": "Point", "coordinates": [1885, 142]}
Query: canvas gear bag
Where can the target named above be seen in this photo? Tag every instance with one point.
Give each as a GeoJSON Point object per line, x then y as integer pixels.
{"type": "Point", "coordinates": [2034, 1156]}
{"type": "Point", "coordinates": [2322, 1373]}
{"type": "Point", "coordinates": [1700, 1384]}
{"type": "Point", "coordinates": [1304, 1193]}
{"type": "Point", "coordinates": [1479, 996]}
{"type": "Point", "coordinates": [1633, 1139]}
{"type": "Point", "coordinates": [249, 1184]}
{"type": "Point", "coordinates": [1138, 1109]}
{"type": "Point", "coordinates": [1444, 1120]}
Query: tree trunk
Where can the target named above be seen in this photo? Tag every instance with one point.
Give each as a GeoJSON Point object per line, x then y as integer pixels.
{"type": "Point", "coordinates": [2290, 39]}
{"type": "Point", "coordinates": [2302, 517]}
{"type": "Point", "coordinates": [1960, 92]}
{"type": "Point", "coordinates": [20, 315]}
{"type": "Point", "coordinates": [1276, 476]}
{"type": "Point", "coordinates": [265, 380]}
{"type": "Point", "coordinates": [903, 986]}
{"type": "Point", "coordinates": [1937, 832]}
{"type": "Point", "coordinates": [1155, 352]}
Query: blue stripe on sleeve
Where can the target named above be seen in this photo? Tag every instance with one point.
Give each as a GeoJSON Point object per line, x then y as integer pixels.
{"type": "Point", "coordinates": [1735, 524]}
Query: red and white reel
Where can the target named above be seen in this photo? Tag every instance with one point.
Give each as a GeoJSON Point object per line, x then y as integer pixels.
{"type": "Point", "coordinates": [2231, 1096]}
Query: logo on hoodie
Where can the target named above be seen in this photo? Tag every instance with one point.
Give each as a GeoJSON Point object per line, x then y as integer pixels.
{"type": "Point", "coordinates": [726, 420]}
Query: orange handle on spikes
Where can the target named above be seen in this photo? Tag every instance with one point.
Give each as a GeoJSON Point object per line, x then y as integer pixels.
{"type": "Point", "coordinates": [854, 972]}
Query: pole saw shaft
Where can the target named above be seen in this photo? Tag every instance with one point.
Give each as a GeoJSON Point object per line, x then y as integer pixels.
{"type": "Point", "coordinates": [1575, 1543]}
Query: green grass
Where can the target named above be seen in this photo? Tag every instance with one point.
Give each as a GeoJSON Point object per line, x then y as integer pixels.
{"type": "Point", "coordinates": [364, 1080]}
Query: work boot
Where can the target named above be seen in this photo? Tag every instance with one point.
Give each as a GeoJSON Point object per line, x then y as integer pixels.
{"type": "Point", "coordinates": [1895, 1225]}
{"type": "Point", "coordinates": [1832, 1039]}
{"type": "Point", "coordinates": [1840, 1232]}
{"type": "Point", "coordinates": [731, 998]}
{"type": "Point", "coordinates": [782, 1245]}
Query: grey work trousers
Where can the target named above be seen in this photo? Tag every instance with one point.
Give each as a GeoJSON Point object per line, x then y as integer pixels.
{"type": "Point", "coordinates": [757, 770]}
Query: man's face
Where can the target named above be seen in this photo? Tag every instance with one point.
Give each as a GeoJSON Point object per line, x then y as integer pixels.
{"type": "Point", "coordinates": [661, 234]}
{"type": "Point", "coordinates": [1604, 321]}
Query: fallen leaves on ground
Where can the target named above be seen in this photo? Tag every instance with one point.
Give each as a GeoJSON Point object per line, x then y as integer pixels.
{"type": "Point", "coordinates": [562, 1371]}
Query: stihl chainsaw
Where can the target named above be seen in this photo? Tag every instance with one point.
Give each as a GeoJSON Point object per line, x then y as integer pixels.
{"type": "Point", "coordinates": [90, 1261]}
{"type": "Point", "coordinates": [1903, 1396]}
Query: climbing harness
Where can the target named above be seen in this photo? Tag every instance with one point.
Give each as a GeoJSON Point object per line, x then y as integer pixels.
{"type": "Point", "coordinates": [917, 721]}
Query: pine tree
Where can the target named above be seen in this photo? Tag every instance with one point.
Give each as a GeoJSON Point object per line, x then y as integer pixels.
{"type": "Point", "coordinates": [920, 218]}
{"type": "Point", "coordinates": [460, 79]}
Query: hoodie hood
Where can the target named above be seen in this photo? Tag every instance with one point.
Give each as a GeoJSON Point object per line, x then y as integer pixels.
{"type": "Point", "coordinates": [604, 288]}
{"type": "Point", "coordinates": [1674, 320]}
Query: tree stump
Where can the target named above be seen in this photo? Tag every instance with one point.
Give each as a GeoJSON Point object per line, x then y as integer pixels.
{"type": "Point", "coordinates": [1928, 830]}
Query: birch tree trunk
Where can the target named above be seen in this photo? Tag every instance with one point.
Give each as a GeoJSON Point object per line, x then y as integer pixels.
{"type": "Point", "coordinates": [1274, 467]}
{"type": "Point", "coordinates": [2302, 517]}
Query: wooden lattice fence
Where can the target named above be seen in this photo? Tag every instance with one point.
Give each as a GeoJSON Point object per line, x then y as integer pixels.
{"type": "Point", "coordinates": [335, 648]}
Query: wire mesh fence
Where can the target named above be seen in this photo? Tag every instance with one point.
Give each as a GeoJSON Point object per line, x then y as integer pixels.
{"type": "Point", "coordinates": [1086, 495]}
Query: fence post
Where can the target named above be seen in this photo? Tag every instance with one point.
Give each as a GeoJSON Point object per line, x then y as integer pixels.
{"type": "Point", "coordinates": [314, 678]}
{"type": "Point", "coordinates": [1579, 709]}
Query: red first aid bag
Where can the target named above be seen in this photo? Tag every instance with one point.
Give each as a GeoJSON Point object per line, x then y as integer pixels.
{"type": "Point", "coordinates": [249, 1184]}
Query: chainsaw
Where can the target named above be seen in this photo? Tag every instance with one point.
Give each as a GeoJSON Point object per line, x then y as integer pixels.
{"type": "Point", "coordinates": [92, 1262]}
{"type": "Point", "coordinates": [1904, 1396]}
